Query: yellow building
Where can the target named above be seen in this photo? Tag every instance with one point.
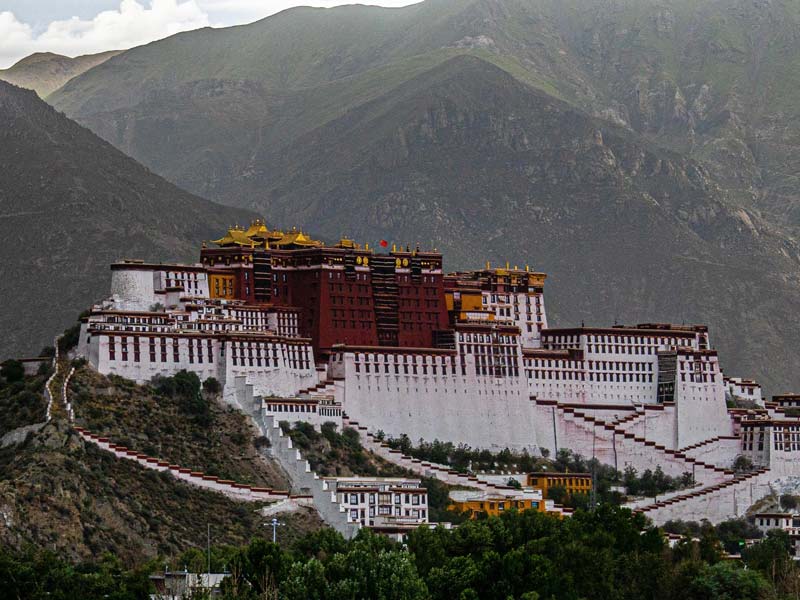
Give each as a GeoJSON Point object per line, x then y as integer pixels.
{"type": "Point", "coordinates": [494, 504]}
{"type": "Point", "coordinates": [222, 286]}
{"type": "Point", "coordinates": [572, 483]}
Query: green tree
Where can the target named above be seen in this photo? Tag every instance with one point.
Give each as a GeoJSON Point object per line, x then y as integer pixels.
{"type": "Point", "coordinates": [771, 556]}
{"type": "Point", "coordinates": [727, 581]}
{"type": "Point", "coordinates": [12, 371]}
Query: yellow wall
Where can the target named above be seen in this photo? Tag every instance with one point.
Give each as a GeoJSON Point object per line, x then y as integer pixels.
{"type": "Point", "coordinates": [471, 302]}
{"type": "Point", "coordinates": [492, 506]}
{"type": "Point", "coordinates": [571, 483]}
{"type": "Point", "coordinates": [222, 286]}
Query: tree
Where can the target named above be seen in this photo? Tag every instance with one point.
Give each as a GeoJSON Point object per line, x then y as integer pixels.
{"type": "Point", "coordinates": [742, 464]}
{"type": "Point", "coordinates": [557, 494]}
{"type": "Point", "coordinates": [771, 556]}
{"type": "Point", "coordinates": [788, 502]}
{"type": "Point", "coordinates": [734, 532]}
{"type": "Point", "coordinates": [12, 371]}
{"type": "Point", "coordinates": [212, 386]}
{"type": "Point", "coordinates": [726, 581]}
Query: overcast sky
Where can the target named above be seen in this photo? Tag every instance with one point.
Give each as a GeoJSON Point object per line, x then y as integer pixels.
{"type": "Point", "coordinates": [74, 27]}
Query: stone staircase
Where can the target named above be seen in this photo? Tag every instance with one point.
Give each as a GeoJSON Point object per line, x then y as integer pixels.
{"type": "Point", "coordinates": [715, 502]}
{"type": "Point", "coordinates": [699, 445]}
{"type": "Point", "coordinates": [428, 469]}
{"type": "Point", "coordinates": [628, 444]}
{"type": "Point", "coordinates": [304, 479]}
{"type": "Point", "coordinates": [325, 388]}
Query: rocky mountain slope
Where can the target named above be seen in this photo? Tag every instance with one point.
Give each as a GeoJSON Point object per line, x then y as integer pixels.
{"type": "Point", "coordinates": [62, 494]}
{"type": "Point", "coordinates": [45, 72]}
{"type": "Point", "coordinates": [70, 204]}
{"type": "Point", "coordinates": [641, 152]}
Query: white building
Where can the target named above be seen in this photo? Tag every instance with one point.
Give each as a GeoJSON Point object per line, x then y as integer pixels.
{"type": "Point", "coordinates": [744, 389]}
{"type": "Point", "coordinates": [382, 503]}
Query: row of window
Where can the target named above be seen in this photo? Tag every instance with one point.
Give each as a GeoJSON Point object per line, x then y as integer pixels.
{"type": "Point", "coordinates": [158, 349]}
{"type": "Point", "coordinates": [582, 376]}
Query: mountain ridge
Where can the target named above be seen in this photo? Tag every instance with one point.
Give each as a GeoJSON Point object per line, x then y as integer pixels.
{"type": "Point", "coordinates": [45, 72]}
{"type": "Point", "coordinates": [72, 204]}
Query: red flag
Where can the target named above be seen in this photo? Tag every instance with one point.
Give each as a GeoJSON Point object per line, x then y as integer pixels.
{"type": "Point", "coordinates": [384, 244]}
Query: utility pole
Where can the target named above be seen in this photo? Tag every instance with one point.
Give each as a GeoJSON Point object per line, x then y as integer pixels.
{"type": "Point", "coordinates": [208, 552]}
{"type": "Point", "coordinates": [593, 493]}
{"type": "Point", "coordinates": [275, 524]}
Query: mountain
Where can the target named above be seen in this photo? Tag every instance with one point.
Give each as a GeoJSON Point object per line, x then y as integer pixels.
{"type": "Point", "coordinates": [639, 151]}
{"type": "Point", "coordinates": [70, 204]}
{"type": "Point", "coordinates": [45, 72]}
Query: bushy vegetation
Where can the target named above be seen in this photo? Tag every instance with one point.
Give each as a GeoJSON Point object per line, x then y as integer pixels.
{"type": "Point", "coordinates": [21, 397]}
{"type": "Point", "coordinates": [71, 336]}
{"type": "Point", "coordinates": [731, 534]}
{"type": "Point", "coordinates": [463, 458]}
{"type": "Point", "coordinates": [185, 387]}
{"type": "Point", "coordinates": [331, 452]}
{"type": "Point", "coordinates": [652, 483]}
{"type": "Point", "coordinates": [602, 555]}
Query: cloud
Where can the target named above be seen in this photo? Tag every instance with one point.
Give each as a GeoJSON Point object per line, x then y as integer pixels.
{"type": "Point", "coordinates": [132, 24]}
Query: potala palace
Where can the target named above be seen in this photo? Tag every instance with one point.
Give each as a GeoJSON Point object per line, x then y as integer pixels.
{"type": "Point", "coordinates": [385, 340]}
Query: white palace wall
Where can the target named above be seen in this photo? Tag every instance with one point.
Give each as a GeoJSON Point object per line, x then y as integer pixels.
{"type": "Point", "coordinates": [482, 412]}
{"type": "Point", "coordinates": [282, 369]}
{"type": "Point", "coordinates": [290, 371]}
{"type": "Point", "coordinates": [701, 413]}
{"type": "Point", "coordinates": [133, 289]}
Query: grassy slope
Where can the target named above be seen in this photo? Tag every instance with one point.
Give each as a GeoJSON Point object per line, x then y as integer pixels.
{"type": "Point", "coordinates": [137, 417]}
{"type": "Point", "coordinates": [22, 402]}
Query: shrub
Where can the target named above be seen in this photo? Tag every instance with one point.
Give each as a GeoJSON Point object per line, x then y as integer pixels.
{"type": "Point", "coordinates": [12, 371]}
{"type": "Point", "coordinates": [212, 386]}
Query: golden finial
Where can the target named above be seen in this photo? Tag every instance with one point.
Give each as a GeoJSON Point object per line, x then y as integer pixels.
{"type": "Point", "coordinates": [508, 265]}
{"type": "Point", "coordinates": [366, 246]}
{"type": "Point", "coordinates": [394, 247]}
{"type": "Point", "coordinates": [488, 265]}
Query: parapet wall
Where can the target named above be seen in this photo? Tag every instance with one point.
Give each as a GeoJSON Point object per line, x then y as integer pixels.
{"type": "Point", "coordinates": [716, 503]}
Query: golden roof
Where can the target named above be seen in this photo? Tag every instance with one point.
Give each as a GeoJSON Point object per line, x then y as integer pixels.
{"type": "Point", "coordinates": [258, 229]}
{"type": "Point", "coordinates": [236, 236]}
{"type": "Point", "coordinates": [259, 235]}
{"type": "Point", "coordinates": [296, 238]}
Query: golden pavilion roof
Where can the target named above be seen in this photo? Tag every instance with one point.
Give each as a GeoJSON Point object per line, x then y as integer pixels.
{"type": "Point", "coordinates": [259, 235]}
{"type": "Point", "coordinates": [296, 238]}
{"type": "Point", "coordinates": [258, 230]}
{"type": "Point", "coordinates": [236, 236]}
